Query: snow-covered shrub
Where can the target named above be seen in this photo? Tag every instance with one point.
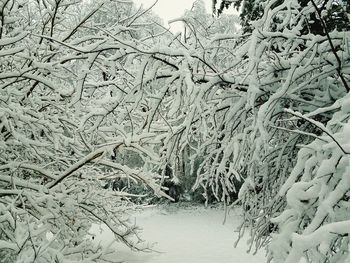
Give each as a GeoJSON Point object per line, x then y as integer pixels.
{"type": "Point", "coordinates": [315, 222]}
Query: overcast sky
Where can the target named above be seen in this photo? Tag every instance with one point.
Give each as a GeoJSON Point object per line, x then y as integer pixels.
{"type": "Point", "coordinates": [171, 9]}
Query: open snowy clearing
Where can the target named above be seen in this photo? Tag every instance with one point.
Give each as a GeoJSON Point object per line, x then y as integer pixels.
{"type": "Point", "coordinates": [186, 235]}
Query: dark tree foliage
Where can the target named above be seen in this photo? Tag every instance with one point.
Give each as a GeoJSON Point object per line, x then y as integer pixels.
{"type": "Point", "coordinates": [334, 13]}
{"type": "Point", "coordinates": [250, 10]}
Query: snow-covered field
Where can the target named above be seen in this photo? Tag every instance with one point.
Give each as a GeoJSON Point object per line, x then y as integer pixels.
{"type": "Point", "coordinates": [186, 235]}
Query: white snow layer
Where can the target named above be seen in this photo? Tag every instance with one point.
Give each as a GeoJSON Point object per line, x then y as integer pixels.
{"type": "Point", "coordinates": [185, 235]}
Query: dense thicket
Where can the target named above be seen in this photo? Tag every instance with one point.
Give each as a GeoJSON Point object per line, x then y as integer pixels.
{"type": "Point", "coordinates": [70, 100]}
{"type": "Point", "coordinates": [84, 86]}
{"type": "Point", "coordinates": [293, 148]}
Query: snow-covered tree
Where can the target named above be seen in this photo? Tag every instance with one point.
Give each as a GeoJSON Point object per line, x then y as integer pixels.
{"type": "Point", "coordinates": [288, 128]}
{"type": "Point", "coordinates": [334, 13]}
{"type": "Point", "coordinates": [269, 107]}
{"type": "Point", "coordinates": [83, 83]}
{"type": "Point", "coordinates": [68, 103]}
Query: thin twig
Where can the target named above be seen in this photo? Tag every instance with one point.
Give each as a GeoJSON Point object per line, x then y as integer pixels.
{"type": "Point", "coordinates": [318, 125]}
{"type": "Point", "coordinates": [299, 132]}
{"type": "Point", "coordinates": [323, 23]}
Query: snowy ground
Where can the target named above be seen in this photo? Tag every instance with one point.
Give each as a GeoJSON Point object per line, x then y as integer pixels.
{"type": "Point", "coordinates": [186, 235]}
